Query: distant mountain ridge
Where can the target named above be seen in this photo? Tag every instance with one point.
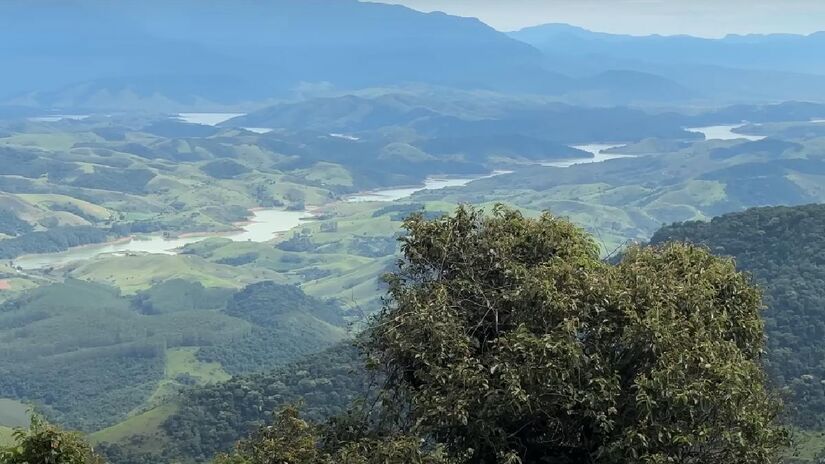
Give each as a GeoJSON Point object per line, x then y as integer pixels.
{"type": "Point", "coordinates": [188, 54]}
{"type": "Point", "coordinates": [228, 52]}
{"type": "Point", "coordinates": [788, 52]}
{"type": "Point", "coordinates": [219, 55]}
{"type": "Point", "coordinates": [732, 69]}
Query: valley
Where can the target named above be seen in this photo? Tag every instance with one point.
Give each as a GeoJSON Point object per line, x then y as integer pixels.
{"type": "Point", "coordinates": [433, 238]}
{"type": "Point", "coordinates": [331, 234]}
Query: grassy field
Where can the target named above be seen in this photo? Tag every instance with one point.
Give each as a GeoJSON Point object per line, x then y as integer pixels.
{"type": "Point", "coordinates": [11, 287]}
{"type": "Point", "coordinates": [13, 413]}
{"type": "Point", "coordinates": [5, 436]}
{"type": "Point", "coordinates": [47, 141]}
{"type": "Point", "coordinates": [47, 200]}
{"type": "Point", "coordinates": [133, 273]}
{"type": "Point", "coordinates": [182, 363]}
{"type": "Point", "coordinates": [145, 425]}
{"type": "Point", "coordinates": [807, 446]}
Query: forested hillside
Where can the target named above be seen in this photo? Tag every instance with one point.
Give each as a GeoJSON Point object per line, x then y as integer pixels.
{"type": "Point", "coordinates": [209, 419]}
{"type": "Point", "coordinates": [139, 350]}
{"type": "Point", "coordinates": [784, 249]}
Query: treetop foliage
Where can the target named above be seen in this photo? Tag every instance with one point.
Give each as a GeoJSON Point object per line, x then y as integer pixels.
{"type": "Point", "coordinates": [43, 443]}
{"type": "Point", "coordinates": [507, 339]}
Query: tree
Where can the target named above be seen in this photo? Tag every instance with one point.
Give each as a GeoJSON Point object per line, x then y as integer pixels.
{"type": "Point", "coordinates": [507, 339]}
{"type": "Point", "coordinates": [46, 444]}
{"type": "Point", "coordinates": [292, 440]}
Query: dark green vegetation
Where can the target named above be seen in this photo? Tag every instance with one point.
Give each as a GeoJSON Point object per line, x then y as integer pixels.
{"type": "Point", "coordinates": [506, 339]}
{"type": "Point", "coordinates": [286, 325]}
{"type": "Point", "coordinates": [458, 123]}
{"type": "Point", "coordinates": [43, 443]}
{"type": "Point", "coordinates": [11, 225]}
{"type": "Point", "coordinates": [51, 241]}
{"type": "Point", "coordinates": [87, 355]}
{"type": "Point", "coordinates": [783, 249]}
{"type": "Point", "coordinates": [210, 419]}
{"type": "Point", "coordinates": [292, 439]}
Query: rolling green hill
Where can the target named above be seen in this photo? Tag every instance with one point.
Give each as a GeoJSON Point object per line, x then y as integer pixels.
{"type": "Point", "coordinates": [629, 199]}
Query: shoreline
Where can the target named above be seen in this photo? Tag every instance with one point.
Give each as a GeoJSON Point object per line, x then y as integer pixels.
{"type": "Point", "coordinates": [116, 241]}
{"type": "Point", "coordinates": [205, 235]}
{"type": "Point", "coordinates": [360, 197]}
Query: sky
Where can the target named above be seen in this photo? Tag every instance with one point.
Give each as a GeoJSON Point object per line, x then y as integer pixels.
{"type": "Point", "coordinates": [706, 18]}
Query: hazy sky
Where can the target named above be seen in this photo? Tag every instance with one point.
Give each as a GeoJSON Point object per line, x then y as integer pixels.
{"type": "Point", "coordinates": [711, 18]}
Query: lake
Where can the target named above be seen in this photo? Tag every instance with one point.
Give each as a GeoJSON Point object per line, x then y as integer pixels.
{"type": "Point", "coordinates": [724, 132]}
{"type": "Point", "coordinates": [262, 227]}
{"type": "Point", "coordinates": [431, 183]}
{"type": "Point", "coordinates": [213, 119]}
{"type": "Point", "coordinates": [599, 156]}
{"type": "Point", "coordinates": [59, 117]}
{"type": "Point", "coordinates": [207, 119]}
{"type": "Point", "coordinates": [258, 130]}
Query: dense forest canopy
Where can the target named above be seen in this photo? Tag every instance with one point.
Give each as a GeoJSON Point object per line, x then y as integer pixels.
{"type": "Point", "coordinates": [784, 249]}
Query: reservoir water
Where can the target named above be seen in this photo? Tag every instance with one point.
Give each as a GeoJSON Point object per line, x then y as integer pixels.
{"type": "Point", "coordinates": [59, 117]}
{"type": "Point", "coordinates": [262, 227]}
{"type": "Point", "coordinates": [599, 156]}
{"type": "Point", "coordinates": [724, 132]}
{"type": "Point", "coordinates": [431, 183]}
{"type": "Point", "coordinates": [213, 119]}
{"type": "Point", "coordinates": [258, 130]}
{"type": "Point", "coordinates": [207, 119]}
